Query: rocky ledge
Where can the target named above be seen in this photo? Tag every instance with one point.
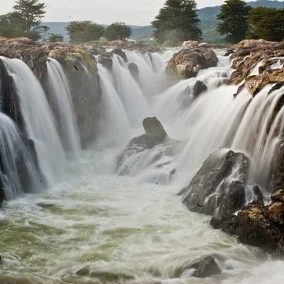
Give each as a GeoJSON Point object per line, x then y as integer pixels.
{"type": "Point", "coordinates": [257, 63]}
{"type": "Point", "coordinates": [193, 57]}
{"type": "Point", "coordinates": [258, 225]}
{"type": "Point", "coordinates": [219, 189]}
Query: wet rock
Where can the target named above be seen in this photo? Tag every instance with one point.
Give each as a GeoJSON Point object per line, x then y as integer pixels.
{"type": "Point", "coordinates": [106, 60]}
{"type": "Point", "coordinates": [248, 54]}
{"type": "Point", "coordinates": [256, 83]}
{"type": "Point", "coordinates": [257, 224]}
{"type": "Point", "coordinates": [203, 267]}
{"type": "Point", "coordinates": [199, 88]}
{"type": "Point", "coordinates": [218, 188]}
{"type": "Point", "coordinates": [190, 60]}
{"type": "Point", "coordinates": [229, 52]}
{"type": "Point", "coordinates": [133, 68]}
{"type": "Point", "coordinates": [154, 129]}
{"type": "Point", "coordinates": [121, 53]}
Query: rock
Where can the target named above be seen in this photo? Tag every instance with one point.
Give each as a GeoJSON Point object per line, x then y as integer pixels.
{"type": "Point", "coordinates": [133, 68]}
{"type": "Point", "coordinates": [218, 188]}
{"type": "Point", "coordinates": [258, 225]}
{"type": "Point", "coordinates": [199, 88]}
{"type": "Point", "coordinates": [203, 267]}
{"type": "Point", "coordinates": [248, 54]}
{"type": "Point", "coordinates": [190, 60]}
{"type": "Point", "coordinates": [154, 129]}
{"type": "Point", "coordinates": [256, 83]}
{"type": "Point", "coordinates": [229, 52]}
{"type": "Point", "coordinates": [106, 60]}
{"type": "Point", "coordinates": [121, 53]}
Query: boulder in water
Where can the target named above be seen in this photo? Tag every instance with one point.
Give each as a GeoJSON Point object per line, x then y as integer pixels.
{"type": "Point", "coordinates": [190, 60]}
{"type": "Point", "coordinates": [199, 88]}
{"type": "Point", "coordinates": [121, 53]}
{"type": "Point", "coordinates": [154, 129]}
{"type": "Point", "coordinates": [133, 68]}
{"type": "Point", "coordinates": [203, 267]}
{"type": "Point", "coordinates": [218, 188]}
{"type": "Point", "coordinates": [257, 224]}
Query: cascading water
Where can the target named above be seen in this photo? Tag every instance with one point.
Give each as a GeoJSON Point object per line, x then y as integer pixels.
{"type": "Point", "coordinates": [38, 119]}
{"type": "Point", "coordinates": [107, 229]}
{"type": "Point", "coordinates": [61, 101]}
{"type": "Point", "coordinates": [17, 174]}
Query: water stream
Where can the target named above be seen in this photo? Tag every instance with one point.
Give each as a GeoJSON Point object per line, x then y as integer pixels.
{"type": "Point", "coordinates": [94, 226]}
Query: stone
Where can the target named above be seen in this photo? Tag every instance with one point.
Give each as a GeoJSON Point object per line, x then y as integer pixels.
{"type": "Point", "coordinates": [202, 268]}
{"type": "Point", "coordinates": [133, 68]}
{"type": "Point", "coordinates": [121, 53]}
{"type": "Point", "coordinates": [191, 59]}
{"type": "Point", "coordinates": [154, 129]}
{"type": "Point", "coordinates": [213, 191]}
{"type": "Point", "coordinates": [199, 88]}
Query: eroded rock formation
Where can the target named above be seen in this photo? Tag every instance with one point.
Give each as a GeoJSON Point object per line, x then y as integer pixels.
{"type": "Point", "coordinates": [191, 59]}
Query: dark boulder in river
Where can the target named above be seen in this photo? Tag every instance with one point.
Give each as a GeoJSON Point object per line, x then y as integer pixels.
{"type": "Point", "coordinates": [218, 188]}
{"type": "Point", "coordinates": [257, 224]}
{"type": "Point", "coordinates": [201, 268]}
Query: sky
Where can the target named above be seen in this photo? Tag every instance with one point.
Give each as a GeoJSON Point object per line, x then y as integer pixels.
{"type": "Point", "coordinates": [134, 12]}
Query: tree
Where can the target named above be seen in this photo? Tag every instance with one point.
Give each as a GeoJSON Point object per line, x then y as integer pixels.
{"type": "Point", "coordinates": [25, 20]}
{"type": "Point", "coordinates": [31, 11]}
{"type": "Point", "coordinates": [11, 25]}
{"type": "Point", "coordinates": [177, 21]}
{"type": "Point", "coordinates": [55, 37]}
{"type": "Point", "coordinates": [84, 31]}
{"type": "Point", "coordinates": [232, 20]}
{"type": "Point", "coordinates": [266, 23]}
{"type": "Point", "coordinates": [117, 31]}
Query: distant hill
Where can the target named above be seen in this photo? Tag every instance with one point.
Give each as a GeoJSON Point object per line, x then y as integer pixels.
{"type": "Point", "coordinates": [207, 16]}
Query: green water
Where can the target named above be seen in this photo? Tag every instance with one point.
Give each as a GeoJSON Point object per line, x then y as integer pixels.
{"type": "Point", "coordinates": [104, 229]}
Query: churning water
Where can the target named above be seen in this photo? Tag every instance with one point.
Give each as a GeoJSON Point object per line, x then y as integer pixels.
{"type": "Point", "coordinates": [98, 227]}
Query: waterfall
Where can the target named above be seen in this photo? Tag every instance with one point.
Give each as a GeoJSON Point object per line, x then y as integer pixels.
{"type": "Point", "coordinates": [115, 127]}
{"type": "Point", "coordinates": [18, 174]}
{"type": "Point", "coordinates": [61, 101]}
{"type": "Point", "coordinates": [38, 119]}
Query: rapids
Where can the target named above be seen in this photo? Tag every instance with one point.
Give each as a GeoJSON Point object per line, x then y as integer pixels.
{"type": "Point", "coordinates": [94, 226]}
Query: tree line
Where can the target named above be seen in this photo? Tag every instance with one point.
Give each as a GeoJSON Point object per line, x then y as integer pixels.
{"type": "Point", "coordinates": [176, 22]}
{"type": "Point", "coordinates": [25, 21]}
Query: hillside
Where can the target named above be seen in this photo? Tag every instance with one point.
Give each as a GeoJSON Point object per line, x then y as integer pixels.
{"type": "Point", "coordinates": [207, 16]}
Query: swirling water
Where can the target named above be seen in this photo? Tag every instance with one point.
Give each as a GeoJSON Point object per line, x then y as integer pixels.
{"type": "Point", "coordinates": [97, 227]}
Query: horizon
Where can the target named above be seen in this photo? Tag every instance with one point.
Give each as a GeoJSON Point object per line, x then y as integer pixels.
{"type": "Point", "coordinates": [124, 11]}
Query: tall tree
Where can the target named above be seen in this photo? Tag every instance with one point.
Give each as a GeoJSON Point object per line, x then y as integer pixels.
{"type": "Point", "coordinates": [25, 20]}
{"type": "Point", "coordinates": [232, 20]}
{"type": "Point", "coordinates": [177, 21]}
{"type": "Point", "coordinates": [266, 23]}
{"type": "Point", "coordinates": [31, 11]}
{"type": "Point", "coordinates": [117, 31]}
{"type": "Point", "coordinates": [84, 31]}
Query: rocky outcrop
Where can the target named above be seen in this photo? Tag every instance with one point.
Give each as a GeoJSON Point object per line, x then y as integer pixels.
{"type": "Point", "coordinates": [218, 188]}
{"type": "Point", "coordinates": [191, 59]}
{"type": "Point", "coordinates": [201, 268]}
{"type": "Point", "coordinates": [199, 88]}
{"type": "Point", "coordinates": [257, 224]}
{"type": "Point", "coordinates": [264, 58]}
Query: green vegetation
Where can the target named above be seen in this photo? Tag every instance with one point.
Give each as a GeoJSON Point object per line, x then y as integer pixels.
{"type": "Point", "coordinates": [266, 23]}
{"type": "Point", "coordinates": [25, 20]}
{"type": "Point", "coordinates": [55, 37]}
{"type": "Point", "coordinates": [117, 31]}
{"type": "Point", "coordinates": [232, 20]}
{"type": "Point", "coordinates": [84, 31]}
{"type": "Point", "coordinates": [176, 22]}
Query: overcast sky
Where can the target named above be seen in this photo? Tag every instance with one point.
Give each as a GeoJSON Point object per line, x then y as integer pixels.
{"type": "Point", "coordinates": [135, 12]}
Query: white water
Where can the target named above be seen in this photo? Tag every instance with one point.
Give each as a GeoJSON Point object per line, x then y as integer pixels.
{"type": "Point", "coordinates": [38, 118]}
{"type": "Point", "coordinates": [61, 100]}
{"type": "Point", "coordinates": [110, 226]}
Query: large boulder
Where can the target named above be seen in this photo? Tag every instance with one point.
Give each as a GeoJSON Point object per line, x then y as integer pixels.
{"type": "Point", "coordinates": [218, 188]}
{"type": "Point", "coordinates": [190, 60]}
{"type": "Point", "coordinates": [257, 224]}
{"type": "Point", "coordinates": [201, 268]}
